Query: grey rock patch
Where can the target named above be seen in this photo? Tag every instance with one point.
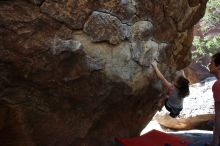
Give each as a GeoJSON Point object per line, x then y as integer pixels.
{"type": "Point", "coordinates": [59, 46]}
{"type": "Point", "coordinates": [141, 30]}
{"type": "Point", "coordinates": [105, 27]}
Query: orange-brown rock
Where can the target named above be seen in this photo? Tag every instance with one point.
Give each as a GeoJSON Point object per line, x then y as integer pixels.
{"type": "Point", "coordinates": [78, 73]}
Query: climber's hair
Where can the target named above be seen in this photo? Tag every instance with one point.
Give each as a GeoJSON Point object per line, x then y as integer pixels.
{"type": "Point", "coordinates": [216, 59]}
{"type": "Point", "coordinates": [183, 86]}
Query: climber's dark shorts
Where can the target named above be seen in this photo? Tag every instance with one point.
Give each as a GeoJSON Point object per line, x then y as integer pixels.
{"type": "Point", "coordinates": [174, 112]}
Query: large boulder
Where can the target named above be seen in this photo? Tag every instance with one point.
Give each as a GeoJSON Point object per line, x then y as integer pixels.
{"type": "Point", "coordinates": [196, 72]}
{"type": "Point", "coordinates": [78, 72]}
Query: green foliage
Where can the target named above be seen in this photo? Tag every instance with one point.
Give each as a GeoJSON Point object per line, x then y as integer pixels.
{"type": "Point", "coordinates": [209, 44]}
{"type": "Point", "coordinates": [205, 46]}
{"type": "Point", "coordinates": [212, 15]}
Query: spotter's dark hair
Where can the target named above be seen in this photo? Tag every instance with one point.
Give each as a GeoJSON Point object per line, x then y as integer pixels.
{"type": "Point", "coordinates": [216, 59]}
{"type": "Point", "coordinates": [183, 86]}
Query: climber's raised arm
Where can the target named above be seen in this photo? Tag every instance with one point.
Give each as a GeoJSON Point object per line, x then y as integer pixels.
{"type": "Point", "coordinates": [166, 83]}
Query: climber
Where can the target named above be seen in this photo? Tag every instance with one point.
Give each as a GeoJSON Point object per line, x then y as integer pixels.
{"type": "Point", "coordinates": [214, 68]}
{"type": "Point", "coordinates": [176, 91]}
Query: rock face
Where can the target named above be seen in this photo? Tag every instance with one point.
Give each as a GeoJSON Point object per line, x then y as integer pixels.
{"type": "Point", "coordinates": [197, 72]}
{"type": "Point", "coordinates": [77, 72]}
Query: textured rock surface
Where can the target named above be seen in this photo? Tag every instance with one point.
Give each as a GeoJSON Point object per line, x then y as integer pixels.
{"type": "Point", "coordinates": [196, 72]}
{"type": "Point", "coordinates": [77, 72]}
